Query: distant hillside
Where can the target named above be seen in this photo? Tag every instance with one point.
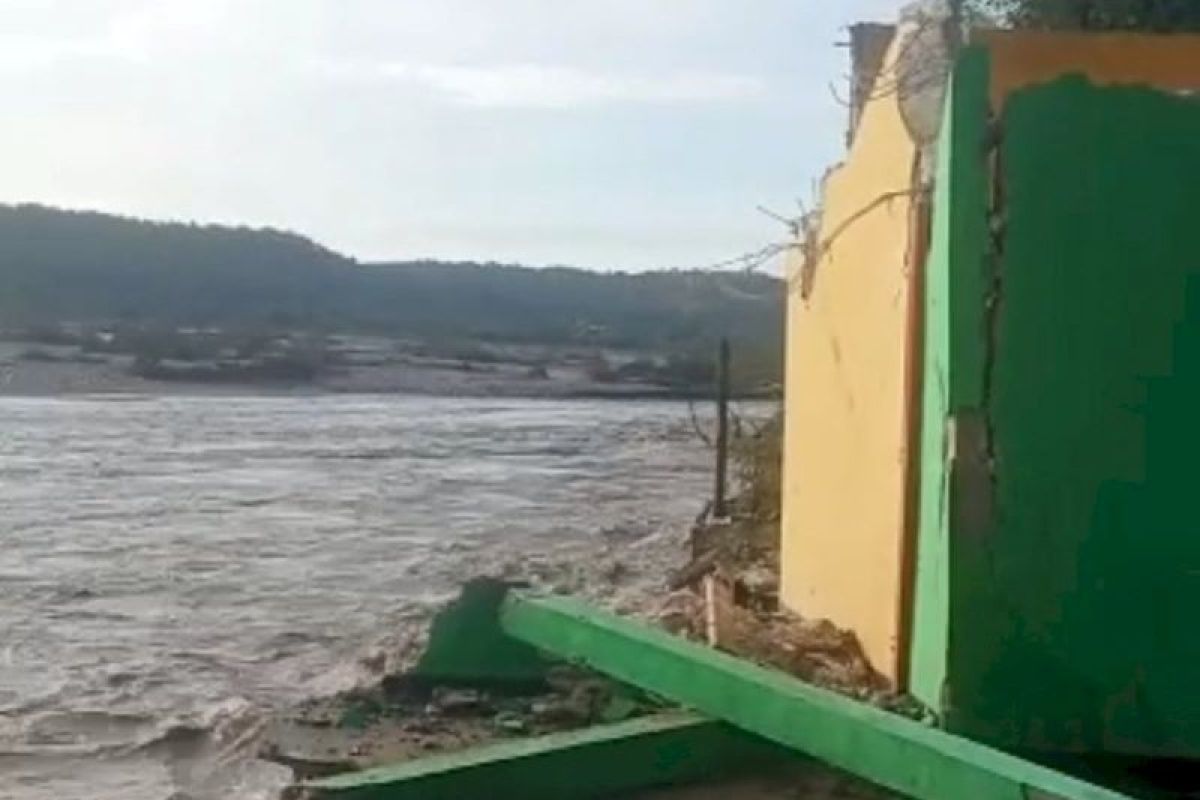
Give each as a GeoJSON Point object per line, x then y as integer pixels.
{"type": "Point", "coordinates": [59, 265]}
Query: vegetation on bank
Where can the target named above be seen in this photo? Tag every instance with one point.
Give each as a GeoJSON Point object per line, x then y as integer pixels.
{"type": "Point", "coordinates": [223, 304]}
{"type": "Point", "coordinates": [758, 467]}
{"type": "Point", "coordinates": [1148, 15]}
{"type": "Point", "coordinates": [255, 355]}
{"type": "Point", "coordinates": [60, 266]}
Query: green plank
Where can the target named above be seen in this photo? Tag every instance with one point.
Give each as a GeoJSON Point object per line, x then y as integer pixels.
{"type": "Point", "coordinates": [881, 747]}
{"type": "Point", "coordinates": [665, 749]}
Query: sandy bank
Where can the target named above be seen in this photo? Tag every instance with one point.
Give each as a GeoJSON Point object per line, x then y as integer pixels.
{"type": "Point", "coordinates": [20, 376]}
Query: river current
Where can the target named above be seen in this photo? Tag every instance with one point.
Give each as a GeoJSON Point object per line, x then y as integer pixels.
{"type": "Point", "coordinates": [172, 568]}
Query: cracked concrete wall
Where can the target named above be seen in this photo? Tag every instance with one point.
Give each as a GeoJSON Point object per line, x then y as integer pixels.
{"type": "Point", "coordinates": [1058, 547]}
{"type": "Point", "coordinates": [1085, 578]}
{"type": "Point", "coordinates": [846, 407]}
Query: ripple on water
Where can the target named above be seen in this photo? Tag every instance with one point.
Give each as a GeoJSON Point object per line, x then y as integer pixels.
{"type": "Point", "coordinates": [173, 566]}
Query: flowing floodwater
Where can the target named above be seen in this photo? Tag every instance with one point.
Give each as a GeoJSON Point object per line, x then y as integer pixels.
{"type": "Point", "coordinates": [171, 568]}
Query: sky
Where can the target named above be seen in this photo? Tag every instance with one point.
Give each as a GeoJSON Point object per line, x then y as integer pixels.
{"type": "Point", "coordinates": [607, 134]}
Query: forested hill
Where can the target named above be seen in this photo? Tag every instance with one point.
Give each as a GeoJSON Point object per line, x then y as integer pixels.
{"type": "Point", "coordinates": [63, 265]}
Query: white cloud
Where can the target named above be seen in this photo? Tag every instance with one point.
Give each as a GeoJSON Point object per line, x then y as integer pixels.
{"type": "Point", "coordinates": [542, 86]}
{"type": "Point", "coordinates": [128, 33]}
{"type": "Point", "coordinates": [158, 29]}
{"type": "Point", "coordinates": [393, 127]}
{"type": "Point", "coordinates": [25, 55]}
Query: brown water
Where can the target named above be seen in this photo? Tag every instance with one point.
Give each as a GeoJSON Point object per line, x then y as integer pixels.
{"type": "Point", "coordinates": [172, 568]}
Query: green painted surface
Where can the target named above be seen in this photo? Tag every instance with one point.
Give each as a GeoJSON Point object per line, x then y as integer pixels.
{"type": "Point", "coordinates": [968, 230]}
{"type": "Point", "coordinates": [1072, 609]}
{"type": "Point", "coordinates": [466, 647]}
{"type": "Point", "coordinates": [888, 750]}
{"type": "Point", "coordinates": [958, 236]}
{"type": "Point", "coordinates": [668, 749]}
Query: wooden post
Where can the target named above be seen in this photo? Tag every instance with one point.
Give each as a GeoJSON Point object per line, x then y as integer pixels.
{"type": "Point", "coordinates": [722, 448]}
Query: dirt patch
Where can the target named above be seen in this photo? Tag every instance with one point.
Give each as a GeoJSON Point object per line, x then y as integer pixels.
{"type": "Point", "coordinates": [728, 596]}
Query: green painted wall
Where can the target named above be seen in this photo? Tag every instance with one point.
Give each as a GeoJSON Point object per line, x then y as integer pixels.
{"type": "Point", "coordinates": [959, 236]}
{"type": "Point", "coordinates": [1076, 625]}
{"type": "Point", "coordinates": [1068, 434]}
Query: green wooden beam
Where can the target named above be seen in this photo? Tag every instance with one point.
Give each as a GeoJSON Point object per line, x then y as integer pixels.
{"type": "Point", "coordinates": [884, 748]}
{"type": "Point", "coordinates": [666, 749]}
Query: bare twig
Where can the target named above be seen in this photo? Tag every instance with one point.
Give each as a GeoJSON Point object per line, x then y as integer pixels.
{"type": "Point", "coordinates": [793, 224]}
{"type": "Point", "coordinates": [837, 98]}
{"type": "Point", "coordinates": [845, 224]}
{"type": "Point", "coordinates": [740, 420]}
{"type": "Point", "coordinates": [752, 260]}
{"type": "Point", "coordinates": [704, 437]}
{"type": "Point", "coordinates": [814, 250]}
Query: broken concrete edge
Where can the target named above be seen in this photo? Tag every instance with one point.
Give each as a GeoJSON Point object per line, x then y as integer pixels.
{"type": "Point", "coordinates": [883, 748]}
{"type": "Point", "coordinates": [666, 749]}
{"type": "Point", "coordinates": [466, 647]}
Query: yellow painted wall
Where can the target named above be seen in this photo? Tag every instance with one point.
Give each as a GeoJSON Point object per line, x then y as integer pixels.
{"type": "Point", "coordinates": [845, 449]}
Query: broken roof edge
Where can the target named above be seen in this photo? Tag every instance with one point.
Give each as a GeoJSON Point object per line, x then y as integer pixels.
{"type": "Point", "coordinates": [1022, 58]}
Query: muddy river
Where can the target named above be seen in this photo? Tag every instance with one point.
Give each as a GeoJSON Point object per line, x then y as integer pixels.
{"type": "Point", "coordinates": [173, 568]}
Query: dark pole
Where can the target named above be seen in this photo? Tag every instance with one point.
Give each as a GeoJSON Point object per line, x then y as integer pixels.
{"type": "Point", "coordinates": [722, 428]}
{"type": "Point", "coordinates": [954, 40]}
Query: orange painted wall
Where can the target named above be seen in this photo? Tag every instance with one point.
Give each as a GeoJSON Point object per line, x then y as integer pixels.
{"type": "Point", "coordinates": [845, 448]}
{"type": "Point", "coordinates": [1021, 58]}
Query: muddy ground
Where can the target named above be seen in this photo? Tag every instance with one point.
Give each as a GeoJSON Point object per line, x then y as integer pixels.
{"type": "Point", "coordinates": [69, 373]}
{"type": "Point", "coordinates": [401, 719]}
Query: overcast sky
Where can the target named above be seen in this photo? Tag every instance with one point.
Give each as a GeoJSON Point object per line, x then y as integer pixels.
{"type": "Point", "coordinates": [601, 133]}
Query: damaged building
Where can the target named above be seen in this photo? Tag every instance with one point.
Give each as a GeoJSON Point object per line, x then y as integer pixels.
{"type": "Point", "coordinates": [993, 366]}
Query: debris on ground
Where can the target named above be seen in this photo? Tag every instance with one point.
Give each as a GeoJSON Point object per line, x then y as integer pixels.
{"type": "Point", "coordinates": [727, 595]}
{"type": "Point", "coordinates": [401, 719]}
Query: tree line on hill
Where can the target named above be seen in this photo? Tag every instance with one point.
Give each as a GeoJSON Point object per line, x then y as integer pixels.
{"type": "Point", "coordinates": [1163, 16]}
{"type": "Point", "coordinates": [58, 265]}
